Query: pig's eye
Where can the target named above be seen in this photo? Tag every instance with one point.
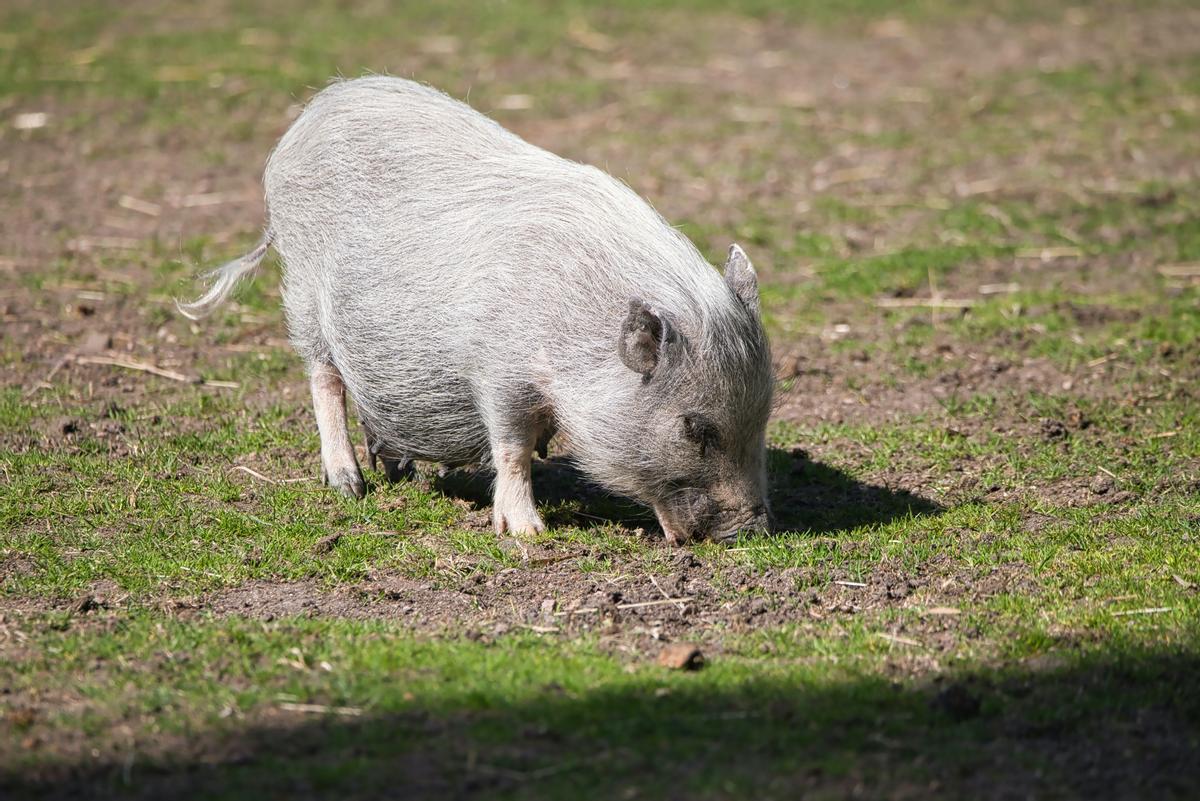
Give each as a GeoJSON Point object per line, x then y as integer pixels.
{"type": "Point", "coordinates": [702, 432]}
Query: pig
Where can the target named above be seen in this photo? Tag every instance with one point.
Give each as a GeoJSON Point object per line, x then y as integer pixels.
{"type": "Point", "coordinates": [475, 294]}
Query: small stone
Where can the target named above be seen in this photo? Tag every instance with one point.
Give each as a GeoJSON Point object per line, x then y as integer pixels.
{"type": "Point", "coordinates": [513, 547]}
{"type": "Point", "coordinates": [681, 656]}
{"type": "Point", "coordinates": [22, 718]}
{"type": "Point", "coordinates": [1053, 429]}
{"type": "Point", "coordinates": [95, 342]}
{"type": "Point", "coordinates": [477, 519]}
{"type": "Point", "coordinates": [30, 120]}
{"type": "Point", "coordinates": [686, 559]}
{"type": "Point", "coordinates": [326, 543]}
{"type": "Point", "coordinates": [86, 603]}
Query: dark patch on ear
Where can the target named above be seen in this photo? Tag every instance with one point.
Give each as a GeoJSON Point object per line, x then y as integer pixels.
{"type": "Point", "coordinates": [643, 335]}
{"type": "Point", "coordinates": [741, 278]}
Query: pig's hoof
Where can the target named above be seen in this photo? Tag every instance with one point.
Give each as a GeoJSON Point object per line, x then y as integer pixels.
{"type": "Point", "coordinates": [518, 523]}
{"type": "Point", "coordinates": [348, 481]}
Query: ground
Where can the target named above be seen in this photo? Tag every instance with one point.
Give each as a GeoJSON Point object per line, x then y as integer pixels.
{"type": "Point", "coordinates": [978, 235]}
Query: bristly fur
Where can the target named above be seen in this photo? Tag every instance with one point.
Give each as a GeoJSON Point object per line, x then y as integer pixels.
{"type": "Point", "coordinates": [464, 282]}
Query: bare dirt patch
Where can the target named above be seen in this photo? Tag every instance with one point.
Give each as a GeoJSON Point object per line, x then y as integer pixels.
{"type": "Point", "coordinates": [631, 609]}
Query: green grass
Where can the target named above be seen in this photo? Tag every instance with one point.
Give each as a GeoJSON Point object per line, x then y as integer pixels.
{"type": "Point", "coordinates": [177, 519]}
{"type": "Point", "coordinates": [533, 717]}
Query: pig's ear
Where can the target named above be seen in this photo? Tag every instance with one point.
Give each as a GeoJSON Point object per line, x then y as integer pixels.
{"type": "Point", "coordinates": [644, 337]}
{"type": "Point", "coordinates": [740, 275]}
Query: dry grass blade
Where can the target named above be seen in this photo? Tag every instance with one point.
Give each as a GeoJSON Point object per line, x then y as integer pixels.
{"type": "Point", "coordinates": [86, 243]}
{"type": "Point", "coordinates": [1189, 270]}
{"type": "Point", "coordinates": [542, 561]}
{"type": "Point", "coordinates": [641, 604]}
{"type": "Point", "coordinates": [589, 610]}
{"type": "Point", "coordinates": [252, 472]}
{"type": "Point", "coordinates": [45, 382]}
{"type": "Point", "coordinates": [206, 199]}
{"type": "Point", "coordinates": [140, 206]}
{"type": "Point", "coordinates": [943, 611]}
{"type": "Point", "coordinates": [321, 709]}
{"type": "Point", "coordinates": [899, 640]}
{"type": "Point", "coordinates": [1150, 610]}
{"type": "Point", "coordinates": [143, 367]}
{"type": "Point", "coordinates": [153, 369]}
{"type": "Point", "coordinates": [850, 175]}
{"type": "Point", "coordinates": [925, 303]}
{"type": "Point", "coordinates": [663, 592]}
{"type": "Point", "coordinates": [1049, 254]}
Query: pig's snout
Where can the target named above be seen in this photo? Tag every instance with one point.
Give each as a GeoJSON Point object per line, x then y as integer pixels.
{"type": "Point", "coordinates": [694, 514]}
{"type": "Point", "coordinates": [758, 523]}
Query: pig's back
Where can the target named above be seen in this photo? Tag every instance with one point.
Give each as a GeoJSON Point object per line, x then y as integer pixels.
{"type": "Point", "coordinates": [374, 194]}
{"type": "Point", "coordinates": [432, 255]}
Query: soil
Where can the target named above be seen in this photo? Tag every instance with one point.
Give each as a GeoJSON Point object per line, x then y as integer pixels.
{"type": "Point", "coordinates": [633, 612]}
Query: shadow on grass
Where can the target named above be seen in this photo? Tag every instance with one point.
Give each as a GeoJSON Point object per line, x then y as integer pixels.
{"type": "Point", "coordinates": [820, 499]}
{"type": "Point", "coordinates": [806, 496]}
{"type": "Point", "coordinates": [1124, 724]}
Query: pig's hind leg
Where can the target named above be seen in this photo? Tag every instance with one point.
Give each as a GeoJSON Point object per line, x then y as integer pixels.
{"type": "Point", "coordinates": [339, 468]}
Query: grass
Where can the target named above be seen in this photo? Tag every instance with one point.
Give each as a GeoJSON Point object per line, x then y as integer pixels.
{"type": "Point", "coordinates": [171, 513]}
{"type": "Point", "coordinates": [984, 583]}
{"type": "Point", "coordinates": [450, 711]}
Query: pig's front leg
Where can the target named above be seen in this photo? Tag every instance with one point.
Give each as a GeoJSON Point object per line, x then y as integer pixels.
{"type": "Point", "coordinates": [339, 468]}
{"type": "Point", "coordinates": [513, 509]}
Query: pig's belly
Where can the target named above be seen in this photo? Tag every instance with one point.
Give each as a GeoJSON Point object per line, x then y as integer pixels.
{"type": "Point", "coordinates": [407, 340]}
{"type": "Point", "coordinates": [414, 402]}
{"type": "Point", "coordinates": [423, 426]}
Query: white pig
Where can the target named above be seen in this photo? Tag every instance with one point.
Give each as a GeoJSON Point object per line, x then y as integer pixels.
{"type": "Point", "coordinates": [474, 294]}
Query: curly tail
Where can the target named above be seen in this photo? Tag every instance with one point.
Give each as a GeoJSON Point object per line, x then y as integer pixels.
{"type": "Point", "coordinates": [223, 279]}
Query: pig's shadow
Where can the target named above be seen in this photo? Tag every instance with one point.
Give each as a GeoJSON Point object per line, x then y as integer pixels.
{"type": "Point", "coordinates": [805, 496]}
